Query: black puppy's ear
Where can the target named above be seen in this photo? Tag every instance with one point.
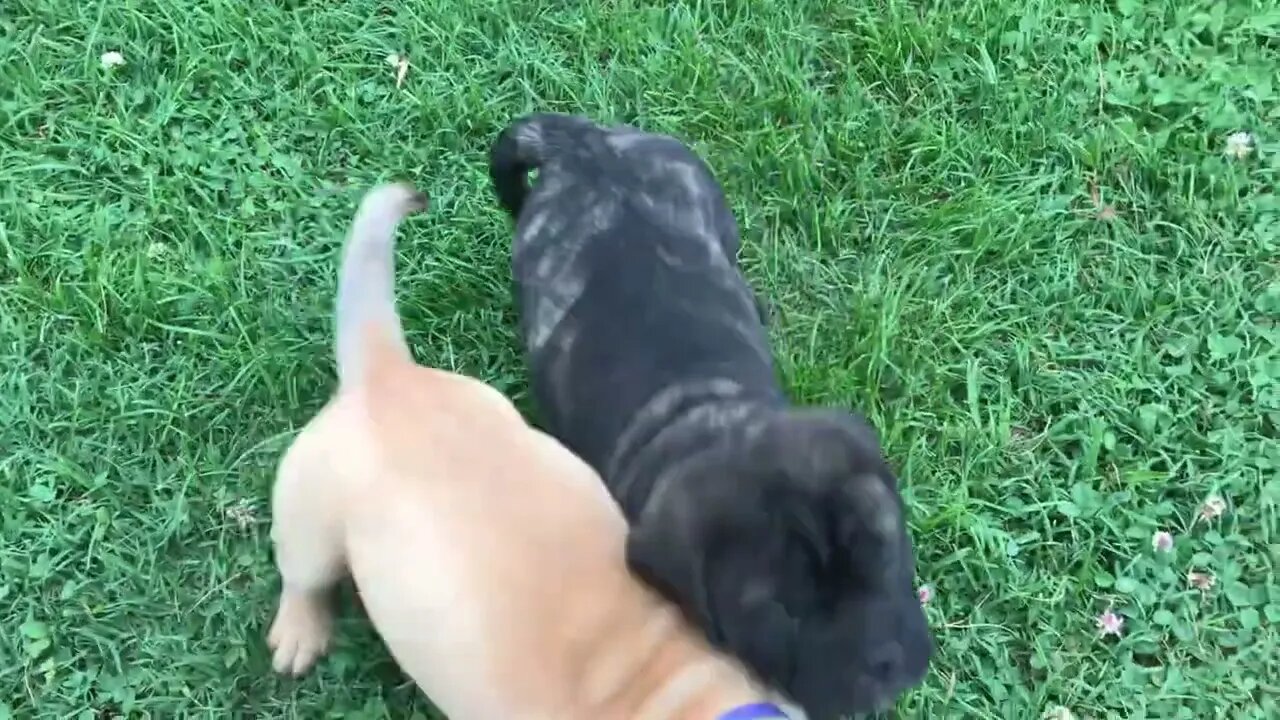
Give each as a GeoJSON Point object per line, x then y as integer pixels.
{"type": "Point", "coordinates": [657, 554]}
{"type": "Point", "coordinates": [835, 456]}
{"type": "Point", "coordinates": [873, 535]}
{"type": "Point", "coordinates": [877, 508]}
{"type": "Point", "coordinates": [873, 490]}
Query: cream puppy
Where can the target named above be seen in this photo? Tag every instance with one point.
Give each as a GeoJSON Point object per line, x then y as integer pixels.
{"type": "Point", "coordinates": [489, 558]}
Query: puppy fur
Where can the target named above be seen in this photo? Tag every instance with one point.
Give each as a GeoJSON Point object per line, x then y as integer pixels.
{"type": "Point", "coordinates": [489, 558]}
{"type": "Point", "coordinates": [779, 530]}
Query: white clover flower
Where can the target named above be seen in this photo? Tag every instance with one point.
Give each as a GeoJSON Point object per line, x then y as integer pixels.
{"type": "Point", "coordinates": [1240, 144]}
{"type": "Point", "coordinates": [401, 64]}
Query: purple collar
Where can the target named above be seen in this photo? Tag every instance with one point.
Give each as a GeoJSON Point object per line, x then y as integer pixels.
{"type": "Point", "coordinates": [755, 711]}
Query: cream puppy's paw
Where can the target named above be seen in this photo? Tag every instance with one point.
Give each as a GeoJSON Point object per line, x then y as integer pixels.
{"type": "Point", "coordinates": [300, 633]}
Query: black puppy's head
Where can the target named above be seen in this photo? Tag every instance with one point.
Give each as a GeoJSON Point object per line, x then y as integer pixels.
{"type": "Point", "coordinates": [788, 546]}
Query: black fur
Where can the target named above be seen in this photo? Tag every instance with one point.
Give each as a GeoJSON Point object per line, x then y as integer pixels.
{"type": "Point", "coordinates": [778, 530]}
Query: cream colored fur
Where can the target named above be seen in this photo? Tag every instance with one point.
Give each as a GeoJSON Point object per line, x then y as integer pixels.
{"type": "Point", "coordinates": [489, 557]}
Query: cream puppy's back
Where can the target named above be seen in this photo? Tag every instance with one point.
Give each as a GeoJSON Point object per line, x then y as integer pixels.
{"type": "Point", "coordinates": [489, 558]}
{"type": "Point", "coordinates": [477, 543]}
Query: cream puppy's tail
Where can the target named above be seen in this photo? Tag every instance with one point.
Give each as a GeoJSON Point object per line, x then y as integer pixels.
{"type": "Point", "coordinates": [368, 325]}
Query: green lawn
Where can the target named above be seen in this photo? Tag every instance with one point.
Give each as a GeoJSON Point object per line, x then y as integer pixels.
{"type": "Point", "coordinates": [1010, 230]}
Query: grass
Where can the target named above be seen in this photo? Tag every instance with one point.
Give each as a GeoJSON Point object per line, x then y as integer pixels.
{"type": "Point", "coordinates": [1006, 229]}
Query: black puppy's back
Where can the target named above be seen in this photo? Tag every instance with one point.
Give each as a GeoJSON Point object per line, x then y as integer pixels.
{"type": "Point", "coordinates": [643, 272]}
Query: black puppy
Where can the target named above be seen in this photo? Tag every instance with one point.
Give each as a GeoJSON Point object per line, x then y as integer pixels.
{"type": "Point", "coordinates": [779, 530]}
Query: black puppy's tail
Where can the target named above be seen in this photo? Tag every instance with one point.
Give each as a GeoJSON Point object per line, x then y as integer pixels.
{"type": "Point", "coordinates": [527, 144]}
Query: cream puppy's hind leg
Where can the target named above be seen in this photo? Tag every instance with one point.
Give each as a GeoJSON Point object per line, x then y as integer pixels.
{"type": "Point", "coordinates": [307, 501]}
{"type": "Point", "coordinates": [308, 548]}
